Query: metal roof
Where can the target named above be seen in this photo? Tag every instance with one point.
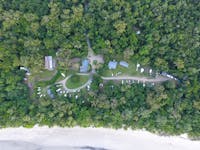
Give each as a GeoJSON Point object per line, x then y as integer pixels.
{"type": "Point", "coordinates": [85, 66]}
{"type": "Point", "coordinates": [112, 65]}
{"type": "Point", "coordinates": [49, 63]}
{"type": "Point", "coordinates": [124, 64]}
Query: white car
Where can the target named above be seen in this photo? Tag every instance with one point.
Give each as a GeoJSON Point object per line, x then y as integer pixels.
{"type": "Point", "coordinates": [58, 90]}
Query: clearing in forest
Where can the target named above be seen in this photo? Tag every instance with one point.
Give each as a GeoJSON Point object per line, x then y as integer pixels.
{"type": "Point", "coordinates": [75, 81]}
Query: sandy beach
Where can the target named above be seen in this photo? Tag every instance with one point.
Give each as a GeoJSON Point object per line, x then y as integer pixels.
{"type": "Point", "coordinates": [56, 138]}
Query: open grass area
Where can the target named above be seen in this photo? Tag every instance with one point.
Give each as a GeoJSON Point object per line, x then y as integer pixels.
{"type": "Point", "coordinates": [120, 71]}
{"type": "Point", "coordinates": [44, 75]}
{"type": "Point", "coordinates": [51, 81]}
{"type": "Point", "coordinates": [76, 81]}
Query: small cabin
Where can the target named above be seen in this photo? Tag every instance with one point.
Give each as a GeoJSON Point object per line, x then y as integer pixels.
{"type": "Point", "coordinates": [85, 66]}
{"type": "Point", "coordinates": [124, 64]}
{"type": "Point", "coordinates": [49, 63]}
{"type": "Point", "coordinates": [112, 65]}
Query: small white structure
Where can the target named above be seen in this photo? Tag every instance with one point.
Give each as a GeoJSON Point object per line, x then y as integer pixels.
{"type": "Point", "coordinates": [168, 75]}
{"type": "Point", "coordinates": [38, 89]}
{"type": "Point", "coordinates": [142, 70]}
{"type": "Point", "coordinates": [42, 95]}
{"type": "Point", "coordinates": [138, 32]}
{"type": "Point", "coordinates": [65, 95]}
{"type": "Point", "coordinates": [58, 90]}
{"type": "Point", "coordinates": [137, 66]}
{"type": "Point", "coordinates": [88, 87]}
{"type": "Point", "coordinates": [122, 81]}
{"type": "Point", "coordinates": [63, 75]}
{"type": "Point", "coordinates": [76, 96]}
{"type": "Point", "coordinates": [101, 85]}
{"type": "Point", "coordinates": [24, 68]}
{"type": "Point", "coordinates": [150, 71]}
{"type": "Point", "coordinates": [144, 84]}
{"type": "Point", "coordinates": [58, 85]}
{"type": "Point", "coordinates": [175, 78]}
{"type": "Point", "coordinates": [49, 63]}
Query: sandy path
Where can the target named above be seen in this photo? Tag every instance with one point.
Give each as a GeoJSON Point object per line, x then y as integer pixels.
{"type": "Point", "coordinates": [142, 79]}
{"type": "Point", "coordinates": [92, 57]}
{"type": "Point", "coordinates": [43, 138]}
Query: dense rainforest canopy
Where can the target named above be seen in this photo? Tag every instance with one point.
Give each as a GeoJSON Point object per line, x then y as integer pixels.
{"type": "Point", "coordinates": [169, 40]}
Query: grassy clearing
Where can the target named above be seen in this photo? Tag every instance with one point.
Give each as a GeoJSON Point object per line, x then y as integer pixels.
{"type": "Point", "coordinates": [44, 75]}
{"type": "Point", "coordinates": [130, 71]}
{"type": "Point", "coordinates": [51, 81]}
{"type": "Point", "coordinates": [76, 81]}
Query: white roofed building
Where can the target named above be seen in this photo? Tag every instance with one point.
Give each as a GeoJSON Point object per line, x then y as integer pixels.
{"type": "Point", "coordinates": [49, 63]}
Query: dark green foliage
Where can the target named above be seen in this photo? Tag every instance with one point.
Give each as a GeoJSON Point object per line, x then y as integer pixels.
{"type": "Point", "coordinates": [168, 41]}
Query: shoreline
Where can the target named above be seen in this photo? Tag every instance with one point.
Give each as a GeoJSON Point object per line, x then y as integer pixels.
{"type": "Point", "coordinates": [78, 138]}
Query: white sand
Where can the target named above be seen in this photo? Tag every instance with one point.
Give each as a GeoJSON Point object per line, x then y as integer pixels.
{"type": "Point", "coordinates": [44, 138]}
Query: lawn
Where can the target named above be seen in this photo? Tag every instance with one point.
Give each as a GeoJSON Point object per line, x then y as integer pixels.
{"type": "Point", "coordinates": [44, 75]}
{"type": "Point", "coordinates": [55, 78]}
{"type": "Point", "coordinates": [76, 81]}
{"type": "Point", "coordinates": [120, 71]}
